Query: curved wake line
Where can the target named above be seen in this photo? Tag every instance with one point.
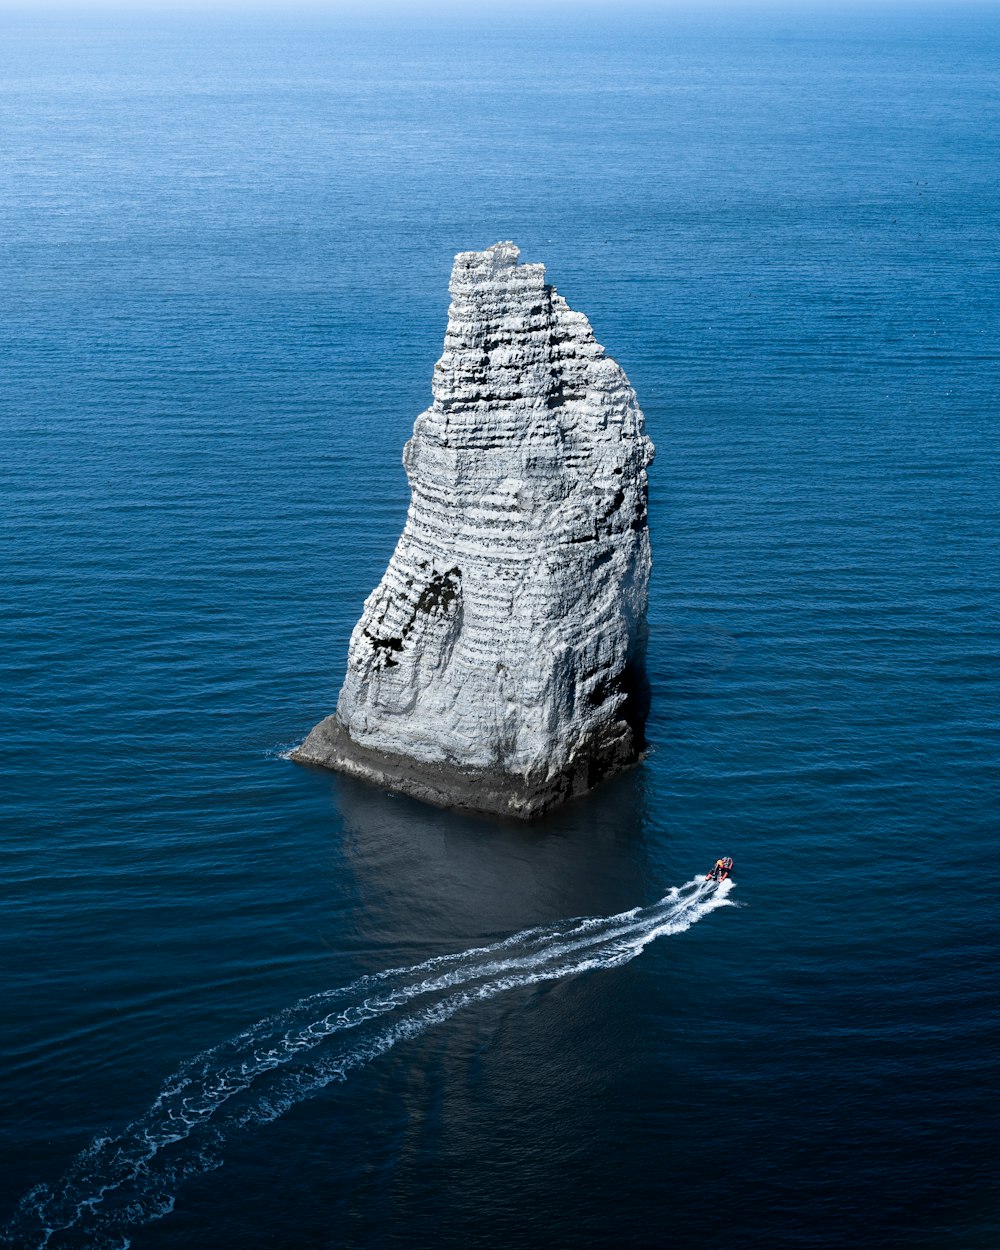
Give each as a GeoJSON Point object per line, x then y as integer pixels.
{"type": "Point", "coordinates": [131, 1178]}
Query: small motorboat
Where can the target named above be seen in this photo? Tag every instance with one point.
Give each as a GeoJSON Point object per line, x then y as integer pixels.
{"type": "Point", "coordinates": [721, 870]}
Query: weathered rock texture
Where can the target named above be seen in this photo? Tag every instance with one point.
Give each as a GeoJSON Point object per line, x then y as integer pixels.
{"type": "Point", "coordinates": [499, 664]}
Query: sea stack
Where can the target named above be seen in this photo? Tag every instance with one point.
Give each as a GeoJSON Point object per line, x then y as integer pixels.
{"type": "Point", "coordinates": [499, 665]}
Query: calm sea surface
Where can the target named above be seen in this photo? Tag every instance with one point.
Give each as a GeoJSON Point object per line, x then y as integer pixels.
{"type": "Point", "coordinates": [223, 261]}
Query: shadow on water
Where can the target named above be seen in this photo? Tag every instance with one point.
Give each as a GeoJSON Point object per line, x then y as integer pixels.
{"type": "Point", "coordinates": [444, 877]}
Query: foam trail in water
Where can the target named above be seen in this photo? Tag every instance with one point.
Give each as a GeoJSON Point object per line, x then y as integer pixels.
{"type": "Point", "coordinates": [131, 1178]}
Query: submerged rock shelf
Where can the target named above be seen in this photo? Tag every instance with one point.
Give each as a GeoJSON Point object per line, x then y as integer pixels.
{"type": "Point", "coordinates": [499, 665]}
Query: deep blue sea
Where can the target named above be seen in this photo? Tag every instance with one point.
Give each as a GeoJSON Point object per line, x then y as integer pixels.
{"type": "Point", "coordinates": [224, 257]}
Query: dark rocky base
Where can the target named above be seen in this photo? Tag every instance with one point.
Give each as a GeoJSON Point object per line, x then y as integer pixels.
{"type": "Point", "coordinates": [491, 792]}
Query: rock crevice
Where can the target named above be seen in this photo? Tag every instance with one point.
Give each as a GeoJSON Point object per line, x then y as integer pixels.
{"type": "Point", "coordinates": [500, 663]}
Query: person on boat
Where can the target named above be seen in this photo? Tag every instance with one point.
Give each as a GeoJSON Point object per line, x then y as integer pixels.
{"type": "Point", "coordinates": [721, 869]}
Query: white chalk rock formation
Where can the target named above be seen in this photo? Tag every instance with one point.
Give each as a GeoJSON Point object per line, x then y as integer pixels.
{"type": "Point", "coordinates": [499, 665]}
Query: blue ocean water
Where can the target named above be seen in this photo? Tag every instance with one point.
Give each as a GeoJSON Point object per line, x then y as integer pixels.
{"type": "Point", "coordinates": [225, 253]}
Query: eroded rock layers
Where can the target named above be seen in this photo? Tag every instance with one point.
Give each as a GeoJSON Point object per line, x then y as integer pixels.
{"type": "Point", "coordinates": [499, 663]}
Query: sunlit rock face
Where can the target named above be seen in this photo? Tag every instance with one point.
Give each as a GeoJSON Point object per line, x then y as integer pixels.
{"type": "Point", "coordinates": [499, 663]}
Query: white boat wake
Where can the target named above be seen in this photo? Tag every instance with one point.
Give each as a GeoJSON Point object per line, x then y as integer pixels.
{"type": "Point", "coordinates": [128, 1179]}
